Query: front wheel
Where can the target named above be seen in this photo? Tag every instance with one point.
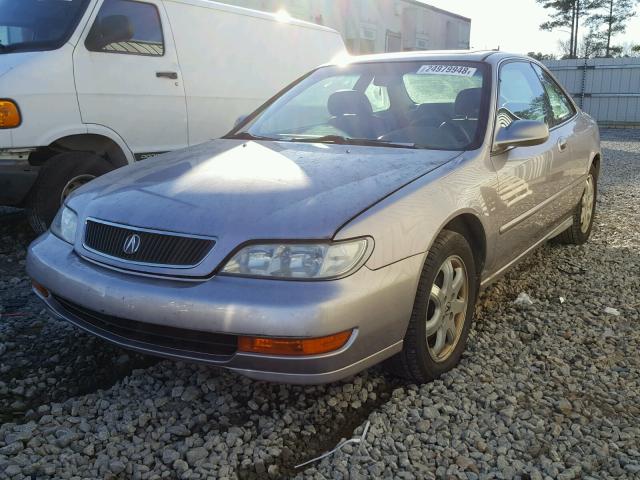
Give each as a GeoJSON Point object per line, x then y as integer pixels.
{"type": "Point", "coordinates": [60, 176]}
{"type": "Point", "coordinates": [442, 312]}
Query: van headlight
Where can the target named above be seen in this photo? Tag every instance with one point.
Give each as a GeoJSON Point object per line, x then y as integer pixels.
{"type": "Point", "coordinates": [65, 224]}
{"type": "Point", "coordinates": [300, 260]}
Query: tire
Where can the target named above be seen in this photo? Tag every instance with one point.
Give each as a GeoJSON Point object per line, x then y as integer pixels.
{"type": "Point", "coordinates": [419, 361]}
{"type": "Point", "coordinates": [580, 230]}
{"type": "Point", "coordinates": [60, 173]}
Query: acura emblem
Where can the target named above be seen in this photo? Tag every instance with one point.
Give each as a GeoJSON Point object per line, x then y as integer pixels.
{"type": "Point", "coordinates": [131, 244]}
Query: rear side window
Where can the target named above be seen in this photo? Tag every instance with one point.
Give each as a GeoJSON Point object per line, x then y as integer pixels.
{"type": "Point", "coordinates": [561, 106]}
{"type": "Point", "coordinates": [378, 97]}
{"type": "Point", "coordinates": [128, 27]}
{"type": "Point", "coordinates": [522, 94]}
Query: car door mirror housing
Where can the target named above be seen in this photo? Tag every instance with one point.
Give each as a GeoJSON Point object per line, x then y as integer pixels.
{"type": "Point", "coordinates": [111, 29]}
{"type": "Point", "coordinates": [240, 119]}
{"type": "Point", "coordinates": [521, 133]}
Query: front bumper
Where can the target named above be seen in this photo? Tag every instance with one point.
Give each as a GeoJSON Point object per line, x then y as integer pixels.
{"type": "Point", "coordinates": [17, 177]}
{"type": "Point", "coordinates": [375, 304]}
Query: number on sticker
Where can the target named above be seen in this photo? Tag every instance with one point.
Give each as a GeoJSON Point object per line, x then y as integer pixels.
{"type": "Point", "coordinates": [459, 70]}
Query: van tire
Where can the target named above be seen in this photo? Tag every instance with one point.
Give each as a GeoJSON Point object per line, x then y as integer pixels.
{"type": "Point", "coordinates": [45, 196]}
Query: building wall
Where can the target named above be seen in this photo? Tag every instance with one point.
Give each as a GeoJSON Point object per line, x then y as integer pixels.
{"type": "Point", "coordinates": [374, 26]}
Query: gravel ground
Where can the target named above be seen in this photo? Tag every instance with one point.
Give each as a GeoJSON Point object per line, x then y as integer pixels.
{"type": "Point", "coordinates": [549, 390]}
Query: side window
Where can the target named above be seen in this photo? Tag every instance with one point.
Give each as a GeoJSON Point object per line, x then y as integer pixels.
{"type": "Point", "coordinates": [521, 94]}
{"type": "Point", "coordinates": [561, 106]}
{"type": "Point", "coordinates": [378, 97]}
{"type": "Point", "coordinates": [129, 27]}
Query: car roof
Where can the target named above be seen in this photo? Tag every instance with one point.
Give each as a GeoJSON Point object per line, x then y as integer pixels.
{"type": "Point", "coordinates": [491, 56]}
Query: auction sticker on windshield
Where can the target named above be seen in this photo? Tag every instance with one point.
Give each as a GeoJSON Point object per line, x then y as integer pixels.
{"type": "Point", "coordinates": [459, 70]}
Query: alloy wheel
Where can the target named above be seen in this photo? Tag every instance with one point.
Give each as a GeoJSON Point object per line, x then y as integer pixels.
{"type": "Point", "coordinates": [586, 210]}
{"type": "Point", "coordinates": [446, 311]}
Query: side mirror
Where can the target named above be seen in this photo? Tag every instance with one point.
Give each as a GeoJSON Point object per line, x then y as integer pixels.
{"type": "Point", "coordinates": [111, 29]}
{"type": "Point", "coordinates": [240, 119]}
{"type": "Point", "coordinates": [521, 133]}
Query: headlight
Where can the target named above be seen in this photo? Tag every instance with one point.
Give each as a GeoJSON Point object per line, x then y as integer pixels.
{"type": "Point", "coordinates": [65, 224]}
{"type": "Point", "coordinates": [304, 261]}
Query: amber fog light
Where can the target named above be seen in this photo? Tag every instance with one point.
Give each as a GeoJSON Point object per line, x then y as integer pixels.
{"type": "Point", "coordinates": [40, 289]}
{"type": "Point", "coordinates": [294, 346]}
{"type": "Point", "coordinates": [9, 114]}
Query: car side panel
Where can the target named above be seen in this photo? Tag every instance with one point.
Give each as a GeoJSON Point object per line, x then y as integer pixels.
{"type": "Point", "coordinates": [407, 222]}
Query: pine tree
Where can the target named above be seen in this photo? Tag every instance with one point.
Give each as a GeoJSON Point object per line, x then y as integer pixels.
{"type": "Point", "coordinates": [611, 19]}
{"type": "Point", "coordinates": [568, 13]}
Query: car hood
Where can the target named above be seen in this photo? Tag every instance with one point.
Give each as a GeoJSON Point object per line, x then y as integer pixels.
{"type": "Point", "coordinates": [246, 191]}
{"type": "Point", "coordinates": [256, 190]}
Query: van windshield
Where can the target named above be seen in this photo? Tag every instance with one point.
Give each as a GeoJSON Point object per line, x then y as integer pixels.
{"type": "Point", "coordinates": [31, 25]}
{"type": "Point", "coordinates": [440, 105]}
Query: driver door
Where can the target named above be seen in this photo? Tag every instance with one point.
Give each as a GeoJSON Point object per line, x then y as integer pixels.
{"type": "Point", "coordinates": [133, 86]}
{"type": "Point", "coordinates": [525, 174]}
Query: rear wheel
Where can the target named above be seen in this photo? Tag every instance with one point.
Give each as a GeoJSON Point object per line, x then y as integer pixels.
{"type": "Point", "coordinates": [58, 178]}
{"type": "Point", "coordinates": [580, 229]}
{"type": "Point", "coordinates": [442, 312]}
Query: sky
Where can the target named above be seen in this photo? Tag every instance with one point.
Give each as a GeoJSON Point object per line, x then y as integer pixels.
{"type": "Point", "coordinates": [514, 25]}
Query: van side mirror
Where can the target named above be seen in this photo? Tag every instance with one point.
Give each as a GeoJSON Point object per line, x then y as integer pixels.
{"type": "Point", "coordinates": [521, 133]}
{"type": "Point", "coordinates": [111, 29]}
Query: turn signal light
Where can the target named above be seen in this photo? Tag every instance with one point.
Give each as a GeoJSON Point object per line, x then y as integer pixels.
{"type": "Point", "coordinates": [40, 289]}
{"type": "Point", "coordinates": [293, 346]}
{"type": "Point", "coordinates": [9, 114]}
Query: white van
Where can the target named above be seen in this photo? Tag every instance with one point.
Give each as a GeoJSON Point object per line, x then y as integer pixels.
{"type": "Point", "coordinates": [87, 86]}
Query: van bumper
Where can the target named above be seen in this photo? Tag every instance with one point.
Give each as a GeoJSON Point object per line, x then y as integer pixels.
{"type": "Point", "coordinates": [17, 176]}
{"type": "Point", "coordinates": [374, 305]}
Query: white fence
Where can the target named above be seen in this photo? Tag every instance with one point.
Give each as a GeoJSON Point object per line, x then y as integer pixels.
{"type": "Point", "coordinates": [606, 88]}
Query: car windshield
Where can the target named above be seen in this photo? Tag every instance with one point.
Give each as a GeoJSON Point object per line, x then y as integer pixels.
{"type": "Point", "coordinates": [29, 25]}
{"type": "Point", "coordinates": [433, 105]}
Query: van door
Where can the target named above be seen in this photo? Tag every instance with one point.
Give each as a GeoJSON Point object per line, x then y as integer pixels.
{"type": "Point", "coordinates": [128, 77]}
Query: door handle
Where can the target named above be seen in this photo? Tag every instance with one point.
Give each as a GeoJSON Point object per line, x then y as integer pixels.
{"type": "Point", "coordinates": [562, 144]}
{"type": "Point", "coordinates": [169, 75]}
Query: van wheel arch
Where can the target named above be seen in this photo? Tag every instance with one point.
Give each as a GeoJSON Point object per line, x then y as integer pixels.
{"type": "Point", "coordinates": [64, 165]}
{"type": "Point", "coordinates": [98, 145]}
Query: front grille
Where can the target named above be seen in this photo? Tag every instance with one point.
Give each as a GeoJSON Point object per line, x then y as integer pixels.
{"type": "Point", "coordinates": [154, 248]}
{"type": "Point", "coordinates": [132, 331]}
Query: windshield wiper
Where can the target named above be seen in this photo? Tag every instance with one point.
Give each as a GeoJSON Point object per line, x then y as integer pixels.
{"type": "Point", "coordinates": [340, 140]}
{"type": "Point", "coordinates": [248, 136]}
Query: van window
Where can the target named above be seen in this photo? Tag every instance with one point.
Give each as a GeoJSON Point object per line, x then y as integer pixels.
{"type": "Point", "coordinates": [36, 25]}
{"type": "Point", "coordinates": [129, 27]}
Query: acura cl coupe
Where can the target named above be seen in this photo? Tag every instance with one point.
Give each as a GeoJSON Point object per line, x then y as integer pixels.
{"type": "Point", "coordinates": [351, 219]}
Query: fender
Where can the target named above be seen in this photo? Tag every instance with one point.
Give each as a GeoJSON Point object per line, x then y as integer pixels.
{"type": "Point", "coordinates": [89, 128]}
{"type": "Point", "coordinates": [407, 222]}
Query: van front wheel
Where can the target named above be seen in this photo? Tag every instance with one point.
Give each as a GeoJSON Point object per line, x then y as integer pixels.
{"type": "Point", "coordinates": [57, 179]}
